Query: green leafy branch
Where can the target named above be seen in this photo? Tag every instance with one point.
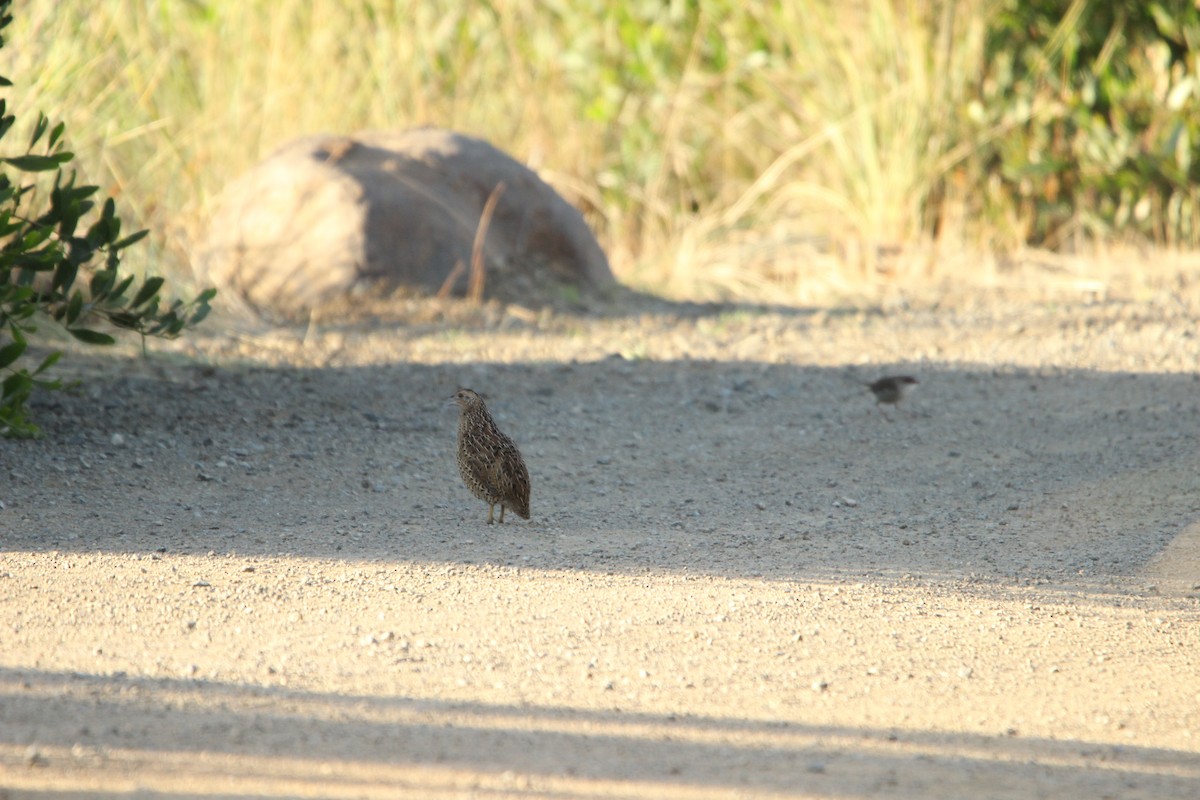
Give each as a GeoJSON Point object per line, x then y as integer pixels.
{"type": "Point", "coordinates": [45, 254]}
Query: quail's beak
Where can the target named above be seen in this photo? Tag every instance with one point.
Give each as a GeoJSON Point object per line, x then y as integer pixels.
{"type": "Point", "coordinates": [451, 402]}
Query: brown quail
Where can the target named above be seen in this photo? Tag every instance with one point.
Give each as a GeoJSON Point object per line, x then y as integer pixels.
{"type": "Point", "coordinates": [892, 389]}
{"type": "Point", "coordinates": [489, 461]}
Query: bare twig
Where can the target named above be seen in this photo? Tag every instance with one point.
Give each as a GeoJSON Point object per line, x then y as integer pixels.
{"type": "Point", "coordinates": [447, 285]}
{"type": "Point", "coordinates": [478, 276]}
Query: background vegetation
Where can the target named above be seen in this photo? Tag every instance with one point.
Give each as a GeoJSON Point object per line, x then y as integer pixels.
{"type": "Point", "coordinates": [60, 260]}
{"type": "Point", "coordinates": [716, 147]}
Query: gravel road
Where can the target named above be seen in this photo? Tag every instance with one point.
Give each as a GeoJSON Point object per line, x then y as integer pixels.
{"type": "Point", "coordinates": [246, 566]}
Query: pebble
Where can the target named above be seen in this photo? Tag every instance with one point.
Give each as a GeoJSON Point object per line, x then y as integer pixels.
{"type": "Point", "coordinates": [34, 757]}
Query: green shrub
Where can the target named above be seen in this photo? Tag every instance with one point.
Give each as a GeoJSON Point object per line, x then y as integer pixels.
{"type": "Point", "coordinates": [1100, 104]}
{"type": "Point", "coordinates": [51, 266]}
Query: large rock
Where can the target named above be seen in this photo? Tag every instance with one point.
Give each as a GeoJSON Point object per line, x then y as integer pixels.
{"type": "Point", "coordinates": [326, 215]}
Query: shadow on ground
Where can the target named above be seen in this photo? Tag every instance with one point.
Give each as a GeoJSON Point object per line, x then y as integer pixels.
{"type": "Point", "coordinates": [269, 733]}
{"type": "Point", "coordinates": [734, 468]}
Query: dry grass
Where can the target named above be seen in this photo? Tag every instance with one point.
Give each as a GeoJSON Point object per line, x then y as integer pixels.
{"type": "Point", "coordinates": [783, 149]}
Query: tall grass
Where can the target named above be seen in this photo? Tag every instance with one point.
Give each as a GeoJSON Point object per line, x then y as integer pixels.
{"type": "Point", "coordinates": [715, 147]}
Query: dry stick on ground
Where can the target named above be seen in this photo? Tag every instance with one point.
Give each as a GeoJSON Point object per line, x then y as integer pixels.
{"type": "Point", "coordinates": [444, 291]}
{"type": "Point", "coordinates": [478, 269]}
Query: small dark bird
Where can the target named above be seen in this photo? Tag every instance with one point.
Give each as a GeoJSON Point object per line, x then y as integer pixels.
{"type": "Point", "coordinates": [489, 461]}
{"type": "Point", "coordinates": [890, 390]}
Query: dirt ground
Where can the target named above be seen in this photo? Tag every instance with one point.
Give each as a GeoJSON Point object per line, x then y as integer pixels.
{"type": "Point", "coordinates": [246, 566]}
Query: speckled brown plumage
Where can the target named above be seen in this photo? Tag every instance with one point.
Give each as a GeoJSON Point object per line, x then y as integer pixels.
{"type": "Point", "coordinates": [489, 461]}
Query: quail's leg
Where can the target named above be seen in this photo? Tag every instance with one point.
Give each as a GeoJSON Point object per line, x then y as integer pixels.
{"type": "Point", "coordinates": [492, 510]}
{"type": "Point", "coordinates": [502, 513]}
